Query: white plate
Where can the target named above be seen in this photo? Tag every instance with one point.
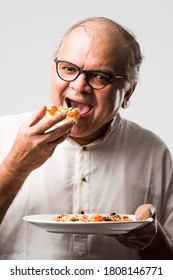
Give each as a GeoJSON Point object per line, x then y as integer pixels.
{"type": "Point", "coordinates": [45, 222]}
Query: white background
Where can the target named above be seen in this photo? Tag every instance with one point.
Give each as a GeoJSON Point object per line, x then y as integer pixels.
{"type": "Point", "coordinates": [30, 31]}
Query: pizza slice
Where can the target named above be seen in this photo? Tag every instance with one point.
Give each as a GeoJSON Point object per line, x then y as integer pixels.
{"type": "Point", "coordinates": [72, 113]}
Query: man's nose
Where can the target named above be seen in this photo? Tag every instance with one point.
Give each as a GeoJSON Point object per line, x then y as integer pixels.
{"type": "Point", "coordinates": [80, 84]}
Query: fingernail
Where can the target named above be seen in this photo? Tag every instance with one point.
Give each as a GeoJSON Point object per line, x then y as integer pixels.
{"type": "Point", "coordinates": [140, 217]}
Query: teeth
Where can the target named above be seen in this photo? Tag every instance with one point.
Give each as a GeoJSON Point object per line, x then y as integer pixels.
{"type": "Point", "coordinates": [71, 103]}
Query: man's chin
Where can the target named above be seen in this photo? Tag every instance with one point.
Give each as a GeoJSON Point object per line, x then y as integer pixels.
{"type": "Point", "coordinates": [78, 131]}
{"type": "Point", "coordinates": [79, 136]}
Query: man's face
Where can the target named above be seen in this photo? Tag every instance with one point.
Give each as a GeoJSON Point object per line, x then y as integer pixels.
{"type": "Point", "coordinates": [98, 107]}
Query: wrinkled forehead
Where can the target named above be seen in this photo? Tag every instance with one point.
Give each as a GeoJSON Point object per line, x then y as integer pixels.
{"type": "Point", "coordinates": [98, 32]}
{"type": "Point", "coordinates": [100, 37]}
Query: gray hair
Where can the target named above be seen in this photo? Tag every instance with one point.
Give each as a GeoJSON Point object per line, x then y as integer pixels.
{"type": "Point", "coordinates": [131, 45]}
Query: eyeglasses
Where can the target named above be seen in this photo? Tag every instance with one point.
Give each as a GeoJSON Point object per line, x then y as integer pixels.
{"type": "Point", "coordinates": [96, 79]}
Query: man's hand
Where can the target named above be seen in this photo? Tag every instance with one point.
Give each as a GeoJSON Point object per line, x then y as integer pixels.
{"type": "Point", "coordinates": [142, 237]}
{"type": "Point", "coordinates": [36, 140]}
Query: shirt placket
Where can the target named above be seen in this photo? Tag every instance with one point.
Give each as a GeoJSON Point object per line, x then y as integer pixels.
{"type": "Point", "coordinates": [81, 195]}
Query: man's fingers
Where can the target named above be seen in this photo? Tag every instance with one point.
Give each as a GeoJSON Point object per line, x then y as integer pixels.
{"type": "Point", "coordinates": [36, 116]}
{"type": "Point", "coordinates": [59, 132]}
{"type": "Point", "coordinates": [48, 125]}
{"type": "Point", "coordinates": [40, 124]}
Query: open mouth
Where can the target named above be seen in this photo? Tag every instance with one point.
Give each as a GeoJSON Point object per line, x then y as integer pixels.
{"type": "Point", "coordinates": [84, 108]}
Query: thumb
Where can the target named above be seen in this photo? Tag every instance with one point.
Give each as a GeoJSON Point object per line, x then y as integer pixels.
{"type": "Point", "coordinates": [145, 211]}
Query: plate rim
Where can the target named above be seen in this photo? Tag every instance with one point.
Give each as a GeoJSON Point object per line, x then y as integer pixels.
{"type": "Point", "coordinates": [28, 218]}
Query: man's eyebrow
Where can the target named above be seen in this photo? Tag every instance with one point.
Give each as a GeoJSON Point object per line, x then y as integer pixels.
{"type": "Point", "coordinates": [106, 71]}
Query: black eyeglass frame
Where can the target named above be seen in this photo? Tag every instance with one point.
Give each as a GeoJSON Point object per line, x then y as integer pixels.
{"type": "Point", "coordinates": [86, 72]}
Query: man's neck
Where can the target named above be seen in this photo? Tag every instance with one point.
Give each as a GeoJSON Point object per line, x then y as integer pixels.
{"type": "Point", "coordinates": [92, 137]}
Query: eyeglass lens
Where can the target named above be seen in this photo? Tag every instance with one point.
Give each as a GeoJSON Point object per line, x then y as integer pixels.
{"type": "Point", "coordinates": [69, 72]}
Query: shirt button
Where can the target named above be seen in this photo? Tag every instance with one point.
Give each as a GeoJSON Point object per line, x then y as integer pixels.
{"type": "Point", "coordinates": [84, 148]}
{"type": "Point", "coordinates": [83, 179]}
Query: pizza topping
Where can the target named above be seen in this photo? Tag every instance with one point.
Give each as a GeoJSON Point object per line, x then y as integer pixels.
{"type": "Point", "coordinates": [92, 218]}
{"type": "Point", "coordinates": [72, 113]}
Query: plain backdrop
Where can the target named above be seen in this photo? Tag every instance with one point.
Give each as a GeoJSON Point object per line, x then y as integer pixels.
{"type": "Point", "coordinates": [30, 31]}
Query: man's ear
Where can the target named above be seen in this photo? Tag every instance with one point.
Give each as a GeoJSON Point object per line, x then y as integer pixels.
{"type": "Point", "coordinates": [127, 95]}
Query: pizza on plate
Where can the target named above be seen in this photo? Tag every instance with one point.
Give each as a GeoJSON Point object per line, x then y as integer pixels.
{"type": "Point", "coordinates": [113, 217]}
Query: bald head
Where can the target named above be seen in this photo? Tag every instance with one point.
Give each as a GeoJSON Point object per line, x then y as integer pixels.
{"type": "Point", "coordinates": [119, 43]}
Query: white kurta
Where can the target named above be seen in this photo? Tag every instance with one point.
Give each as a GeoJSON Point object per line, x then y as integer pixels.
{"type": "Point", "coordinates": [128, 167]}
